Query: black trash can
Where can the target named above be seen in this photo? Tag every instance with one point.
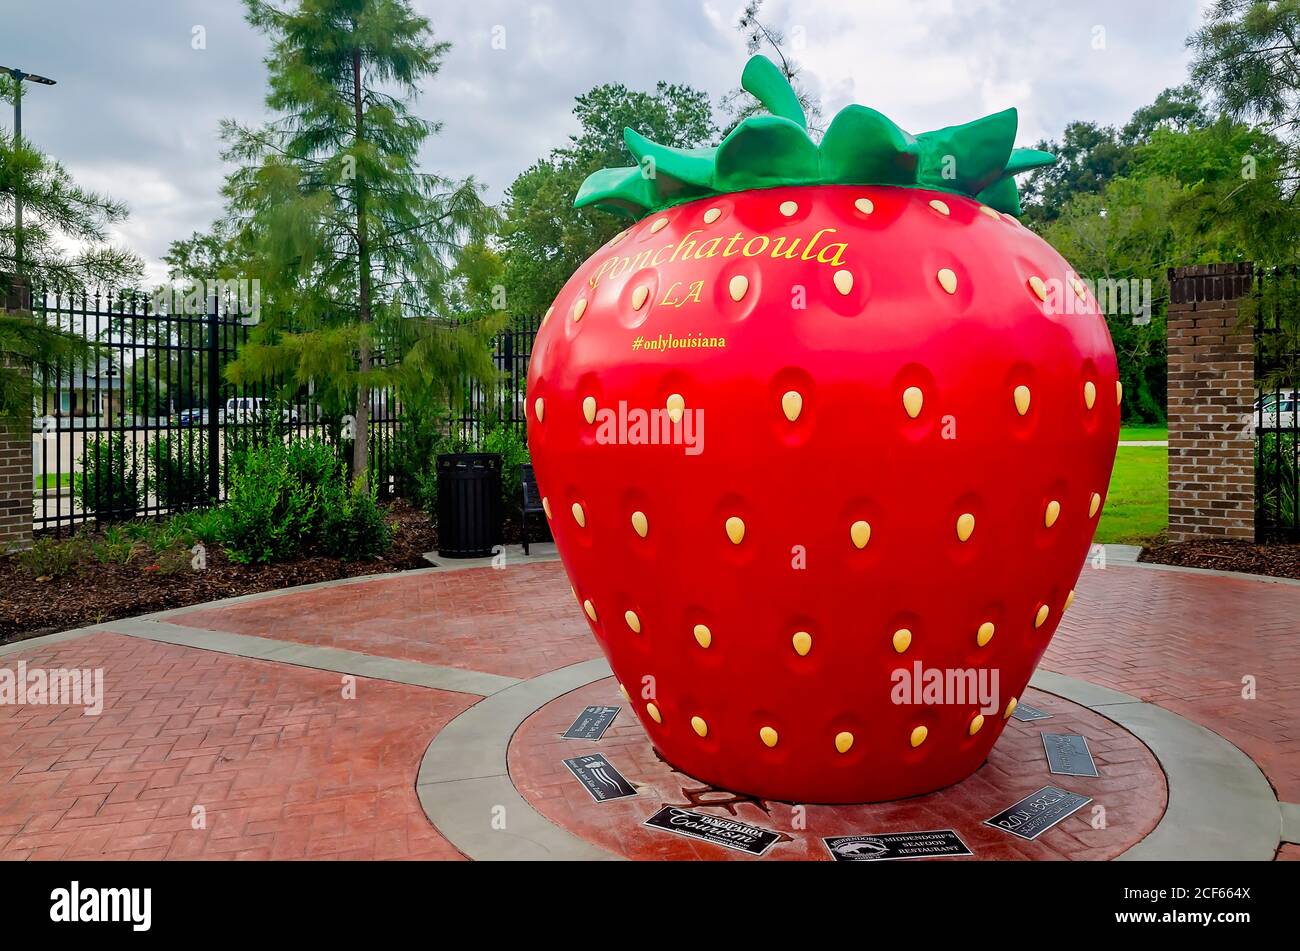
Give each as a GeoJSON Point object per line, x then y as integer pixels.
{"type": "Point", "coordinates": [469, 504]}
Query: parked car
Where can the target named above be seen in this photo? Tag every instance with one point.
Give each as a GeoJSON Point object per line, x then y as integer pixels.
{"type": "Point", "coordinates": [190, 417]}
{"type": "Point", "coordinates": [252, 409]}
{"type": "Point", "coordinates": [1276, 411]}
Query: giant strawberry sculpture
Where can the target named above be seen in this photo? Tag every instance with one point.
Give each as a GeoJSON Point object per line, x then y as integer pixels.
{"type": "Point", "coordinates": [826, 424]}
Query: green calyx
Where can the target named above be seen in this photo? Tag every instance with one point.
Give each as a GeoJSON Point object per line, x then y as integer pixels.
{"type": "Point", "coordinates": [861, 147]}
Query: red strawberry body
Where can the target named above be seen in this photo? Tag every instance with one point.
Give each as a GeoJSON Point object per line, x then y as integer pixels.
{"type": "Point", "coordinates": [807, 618]}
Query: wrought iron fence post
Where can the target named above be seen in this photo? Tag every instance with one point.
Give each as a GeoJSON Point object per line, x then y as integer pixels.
{"type": "Point", "coordinates": [214, 394]}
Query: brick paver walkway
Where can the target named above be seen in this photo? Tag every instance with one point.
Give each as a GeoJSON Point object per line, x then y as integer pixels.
{"type": "Point", "coordinates": [517, 622]}
{"type": "Point", "coordinates": [285, 765]}
{"type": "Point", "coordinates": [281, 763]}
{"type": "Point", "coordinates": [1185, 641]}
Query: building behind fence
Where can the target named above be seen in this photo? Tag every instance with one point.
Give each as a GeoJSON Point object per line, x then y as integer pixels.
{"type": "Point", "coordinates": [155, 402]}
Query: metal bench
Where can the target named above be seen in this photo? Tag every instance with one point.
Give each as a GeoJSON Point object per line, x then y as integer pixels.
{"type": "Point", "coordinates": [532, 501]}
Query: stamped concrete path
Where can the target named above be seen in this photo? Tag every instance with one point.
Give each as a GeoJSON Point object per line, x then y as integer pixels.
{"type": "Point", "coordinates": [416, 716]}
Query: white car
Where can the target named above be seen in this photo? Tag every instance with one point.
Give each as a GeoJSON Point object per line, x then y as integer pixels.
{"type": "Point", "coordinates": [252, 409]}
{"type": "Point", "coordinates": [1275, 411]}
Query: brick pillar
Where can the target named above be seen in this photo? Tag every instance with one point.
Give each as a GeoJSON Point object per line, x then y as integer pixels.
{"type": "Point", "coordinates": [1211, 397]}
{"type": "Point", "coordinates": [15, 445]}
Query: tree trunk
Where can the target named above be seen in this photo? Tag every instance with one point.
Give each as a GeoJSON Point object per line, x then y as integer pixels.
{"type": "Point", "coordinates": [361, 425]}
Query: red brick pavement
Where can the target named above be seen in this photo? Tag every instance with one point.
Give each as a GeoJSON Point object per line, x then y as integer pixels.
{"type": "Point", "coordinates": [1185, 641]}
{"type": "Point", "coordinates": [1131, 788]}
{"type": "Point", "coordinates": [284, 766]}
{"type": "Point", "coordinates": [518, 622]}
{"type": "Point", "coordinates": [287, 768]}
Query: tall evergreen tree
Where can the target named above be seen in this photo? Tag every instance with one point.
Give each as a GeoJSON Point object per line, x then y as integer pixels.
{"type": "Point", "coordinates": [354, 246]}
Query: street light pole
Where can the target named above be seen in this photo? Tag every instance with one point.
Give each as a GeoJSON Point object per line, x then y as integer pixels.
{"type": "Point", "coordinates": [19, 77]}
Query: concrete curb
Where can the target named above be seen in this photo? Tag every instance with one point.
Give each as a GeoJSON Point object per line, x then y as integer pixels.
{"type": "Point", "coordinates": [318, 658]}
{"type": "Point", "coordinates": [1221, 807]}
{"type": "Point", "coordinates": [464, 782]}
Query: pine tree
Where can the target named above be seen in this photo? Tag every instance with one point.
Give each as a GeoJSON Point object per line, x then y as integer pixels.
{"type": "Point", "coordinates": [354, 247]}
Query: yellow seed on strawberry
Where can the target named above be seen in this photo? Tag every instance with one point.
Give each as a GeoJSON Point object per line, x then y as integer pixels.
{"type": "Point", "coordinates": [623, 691]}
{"type": "Point", "coordinates": [1052, 514]}
{"type": "Point", "coordinates": [1022, 397]}
{"type": "Point", "coordinates": [676, 406]}
{"type": "Point", "coordinates": [918, 736]}
{"type": "Point", "coordinates": [546, 506]}
{"type": "Point", "coordinates": [659, 226]}
{"type": "Point", "coordinates": [948, 280]}
{"type": "Point", "coordinates": [865, 205]}
{"type": "Point", "coordinates": [735, 530]}
{"type": "Point", "coordinates": [738, 288]}
{"type": "Point", "coordinates": [977, 724]}
{"type": "Point", "coordinates": [639, 297]}
{"type": "Point", "coordinates": [1119, 392]}
{"type": "Point", "coordinates": [1094, 504]}
{"type": "Point", "coordinates": [1041, 617]}
{"type": "Point", "coordinates": [792, 405]}
{"type": "Point", "coordinates": [703, 636]}
{"type": "Point", "coordinates": [844, 741]}
{"type": "Point", "coordinates": [844, 282]}
{"type": "Point", "coordinates": [653, 710]}
{"type": "Point", "coordinates": [802, 642]}
{"type": "Point", "coordinates": [640, 524]}
{"type": "Point", "coordinates": [860, 534]}
{"type": "Point", "coordinates": [789, 208]}
{"type": "Point", "coordinates": [984, 634]}
{"type": "Point", "coordinates": [699, 726]}
{"type": "Point", "coordinates": [1069, 600]}
{"type": "Point", "coordinates": [590, 609]}
{"type": "Point", "coordinates": [633, 621]}
{"type": "Point", "coordinates": [712, 215]}
{"type": "Point", "coordinates": [965, 526]}
{"type": "Point", "coordinates": [579, 515]}
{"type": "Point", "coordinates": [768, 736]}
{"type": "Point", "coordinates": [1038, 287]}
{"type": "Point", "coordinates": [986, 210]}
{"type": "Point", "coordinates": [579, 309]}
{"type": "Point", "coordinates": [539, 408]}
{"type": "Point", "coordinates": [1011, 708]}
{"type": "Point", "coordinates": [589, 409]}
{"type": "Point", "coordinates": [941, 207]}
{"type": "Point", "coordinates": [902, 640]}
{"type": "Point", "coordinates": [913, 400]}
{"type": "Point", "coordinates": [1089, 394]}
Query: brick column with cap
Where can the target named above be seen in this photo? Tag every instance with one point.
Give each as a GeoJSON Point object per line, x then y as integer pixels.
{"type": "Point", "coordinates": [1211, 398]}
{"type": "Point", "coordinates": [15, 444]}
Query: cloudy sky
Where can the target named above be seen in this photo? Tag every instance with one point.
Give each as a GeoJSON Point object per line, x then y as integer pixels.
{"type": "Point", "coordinates": [136, 108]}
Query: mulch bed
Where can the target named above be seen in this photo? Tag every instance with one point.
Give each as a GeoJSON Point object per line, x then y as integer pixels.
{"type": "Point", "coordinates": [1277, 561]}
{"type": "Point", "coordinates": [95, 593]}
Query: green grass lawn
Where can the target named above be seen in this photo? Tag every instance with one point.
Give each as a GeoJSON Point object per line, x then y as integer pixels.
{"type": "Point", "coordinates": [52, 481]}
{"type": "Point", "coordinates": [1137, 508]}
{"type": "Point", "coordinates": [1144, 432]}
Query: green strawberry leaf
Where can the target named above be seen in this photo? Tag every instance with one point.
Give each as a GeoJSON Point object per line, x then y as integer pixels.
{"type": "Point", "coordinates": [764, 151]}
{"type": "Point", "coordinates": [763, 80]}
{"type": "Point", "coordinates": [967, 158]}
{"type": "Point", "coordinates": [862, 146]}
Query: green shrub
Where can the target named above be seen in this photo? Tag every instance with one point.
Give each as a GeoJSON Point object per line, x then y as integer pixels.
{"type": "Point", "coordinates": [353, 525]}
{"type": "Point", "coordinates": [180, 471]}
{"type": "Point", "coordinates": [50, 558]}
{"type": "Point", "coordinates": [203, 525]}
{"type": "Point", "coordinates": [269, 514]}
{"type": "Point", "coordinates": [509, 443]}
{"type": "Point", "coordinates": [108, 484]}
{"type": "Point", "coordinates": [117, 547]}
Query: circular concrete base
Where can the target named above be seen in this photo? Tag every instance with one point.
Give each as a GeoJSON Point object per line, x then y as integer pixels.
{"type": "Point", "coordinates": [495, 799]}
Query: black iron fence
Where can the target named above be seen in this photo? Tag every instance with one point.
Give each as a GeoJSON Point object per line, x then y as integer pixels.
{"type": "Point", "coordinates": [148, 426]}
{"type": "Point", "coordinates": [1276, 418]}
